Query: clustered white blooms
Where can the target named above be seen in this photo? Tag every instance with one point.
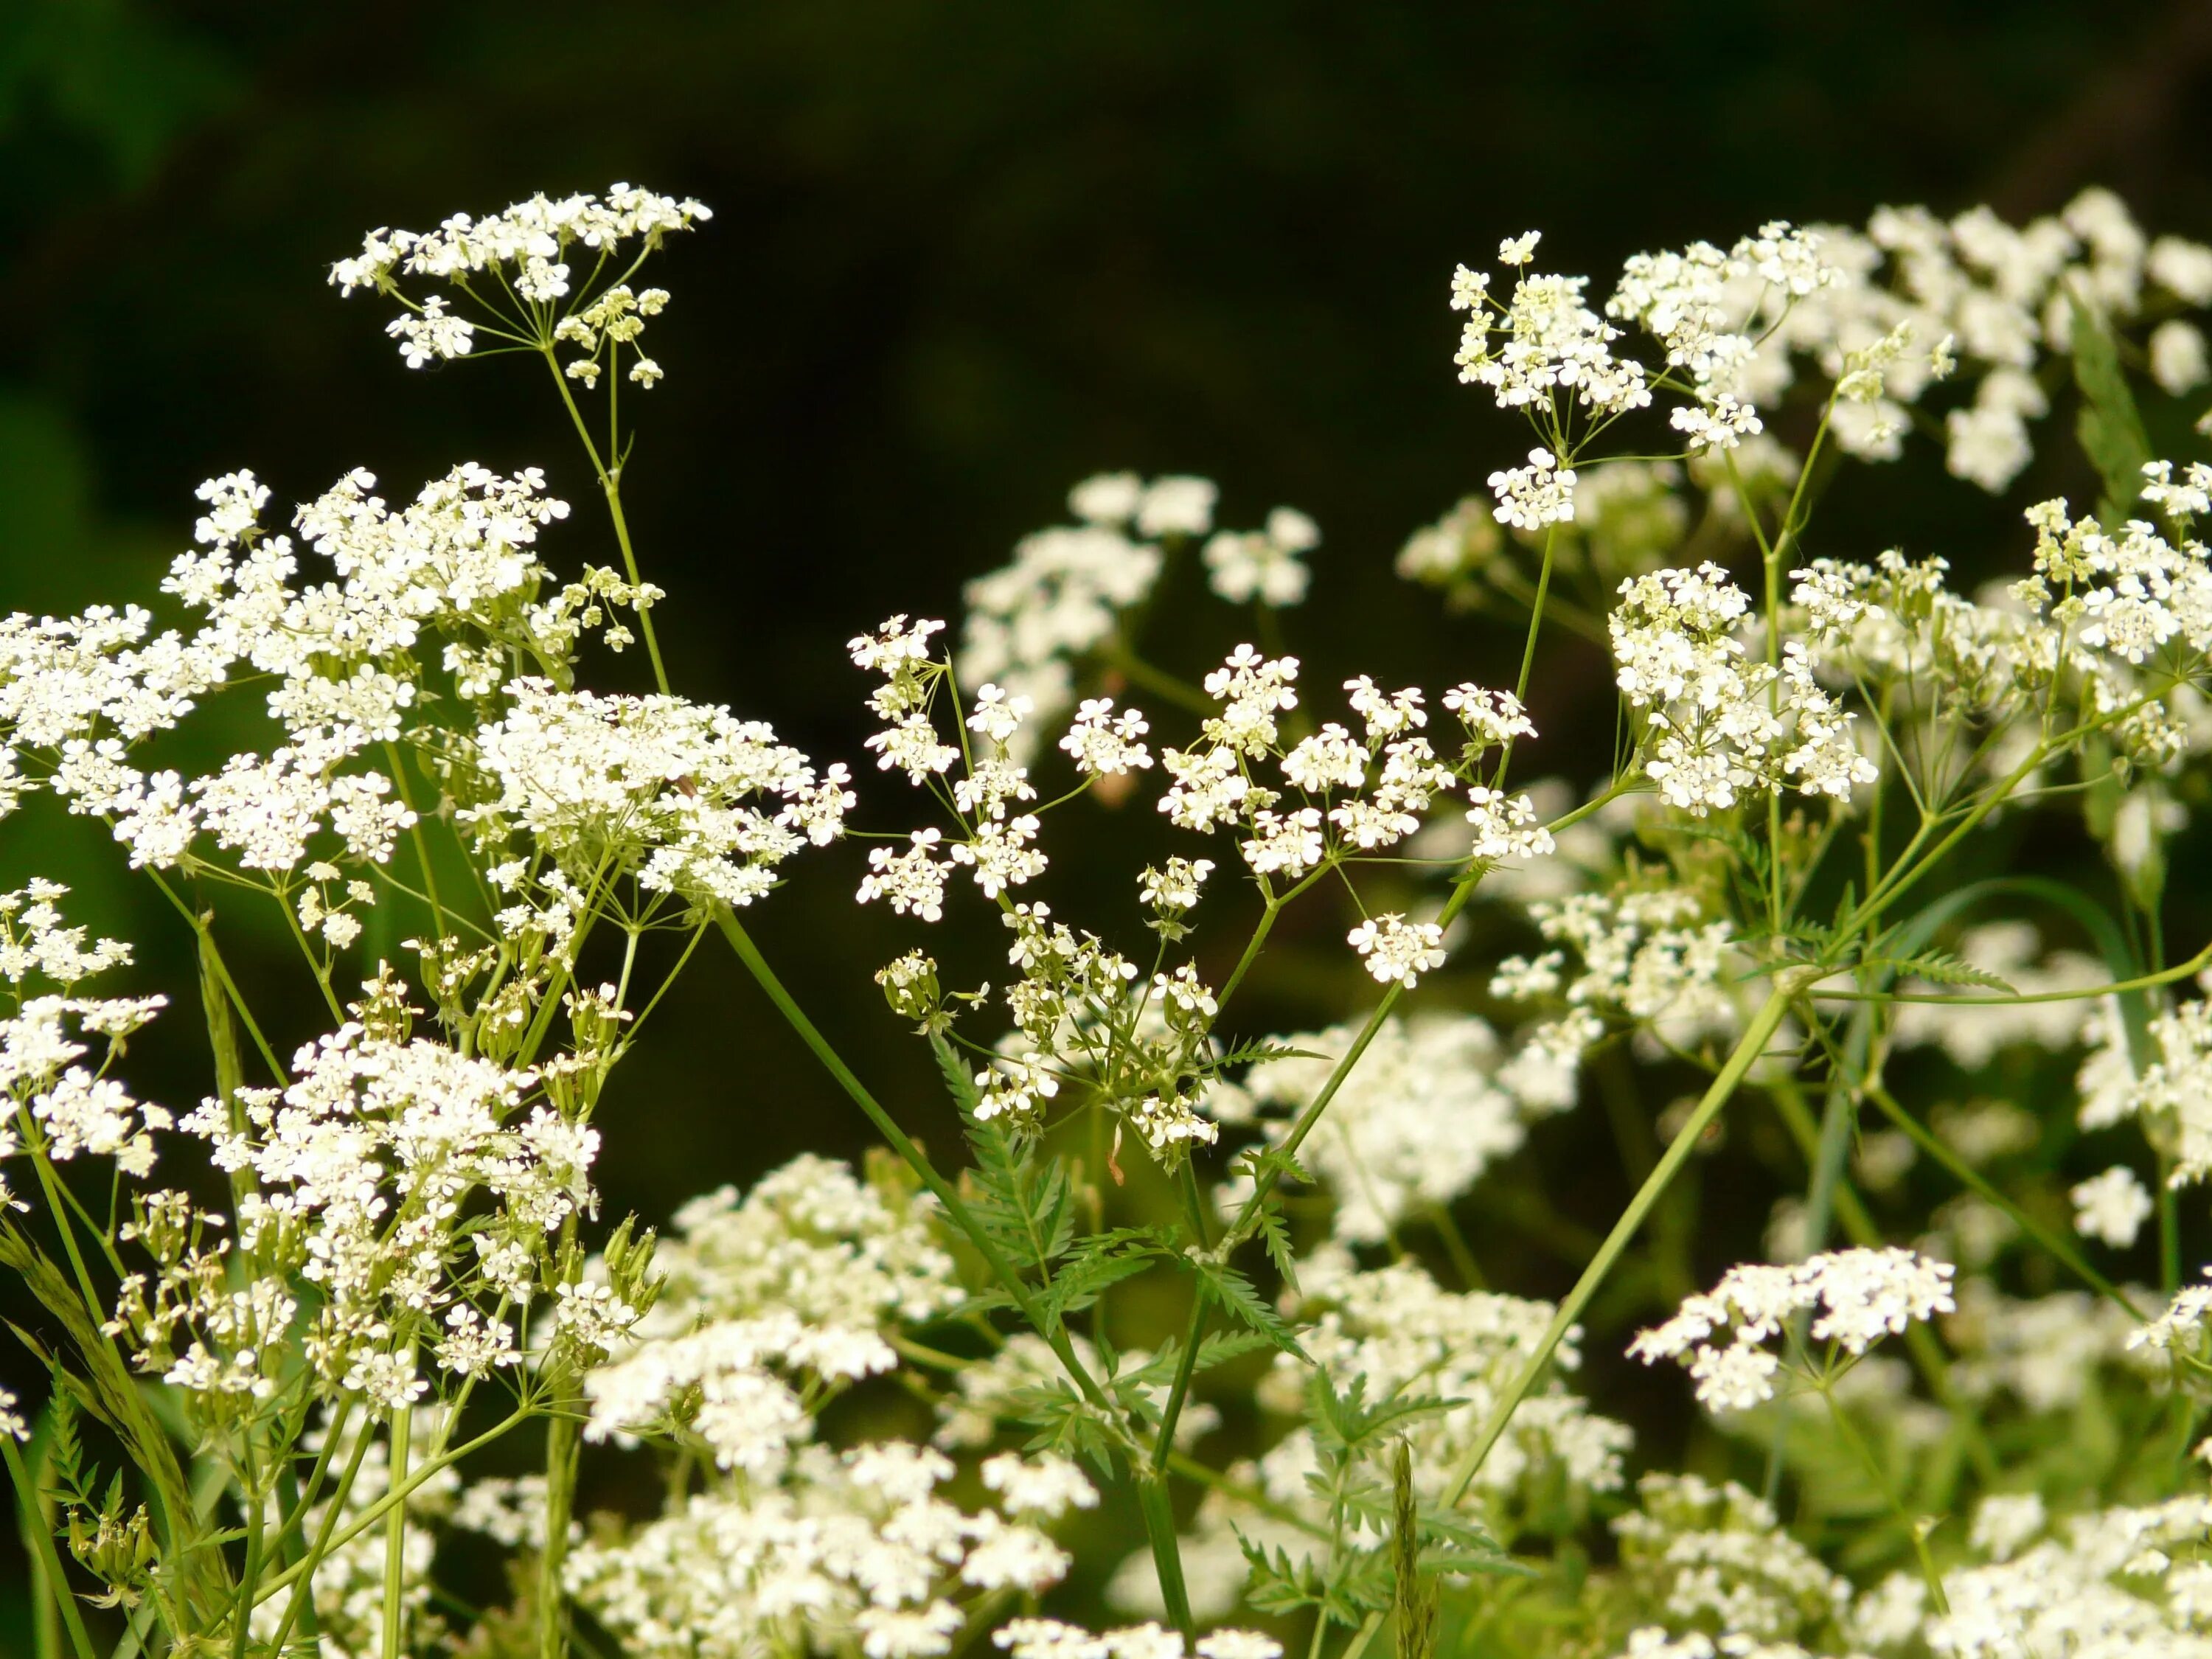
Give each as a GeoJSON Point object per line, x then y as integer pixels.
{"type": "Point", "coordinates": [2169, 1092]}
{"type": "Point", "coordinates": [770, 1305]}
{"type": "Point", "coordinates": [607, 787]}
{"type": "Point", "coordinates": [1301, 807]}
{"type": "Point", "coordinates": [1655, 957]}
{"type": "Point", "coordinates": [407, 1210]}
{"type": "Point", "coordinates": [1429, 1108]}
{"type": "Point", "coordinates": [1265, 564]}
{"type": "Point", "coordinates": [529, 268]}
{"type": "Point", "coordinates": [1050, 1639]}
{"type": "Point", "coordinates": [1707, 1555]}
{"type": "Point", "coordinates": [67, 1111]}
{"type": "Point", "coordinates": [1856, 1296]}
{"type": "Point", "coordinates": [1062, 603]}
{"type": "Point", "coordinates": [1881, 316]}
{"type": "Point", "coordinates": [407, 1197]}
{"type": "Point", "coordinates": [797, 1283]}
{"type": "Point", "coordinates": [855, 1549]}
{"type": "Point", "coordinates": [1717, 723]}
{"type": "Point", "coordinates": [2045, 1353]}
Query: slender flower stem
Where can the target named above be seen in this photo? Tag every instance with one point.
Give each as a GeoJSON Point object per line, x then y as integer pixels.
{"type": "Point", "coordinates": [50, 1560]}
{"type": "Point", "coordinates": [611, 487]}
{"type": "Point", "coordinates": [1747, 1052]}
{"type": "Point", "coordinates": [1167, 1557]}
{"type": "Point", "coordinates": [1849, 1432]}
{"type": "Point", "coordinates": [395, 1534]}
{"type": "Point", "coordinates": [945, 1193]}
{"type": "Point", "coordinates": [1973, 1181]}
{"type": "Point", "coordinates": [563, 1449]}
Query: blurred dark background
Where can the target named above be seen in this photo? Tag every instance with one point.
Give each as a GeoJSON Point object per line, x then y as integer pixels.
{"type": "Point", "coordinates": [964, 253]}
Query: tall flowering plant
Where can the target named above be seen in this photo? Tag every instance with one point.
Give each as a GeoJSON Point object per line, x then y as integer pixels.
{"type": "Point", "coordinates": [281, 1333]}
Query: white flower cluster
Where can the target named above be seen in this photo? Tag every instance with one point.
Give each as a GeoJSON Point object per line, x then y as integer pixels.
{"type": "Point", "coordinates": [856, 1551]}
{"type": "Point", "coordinates": [655, 786]}
{"type": "Point", "coordinates": [1715, 1557]}
{"type": "Point", "coordinates": [1543, 343]}
{"type": "Point", "coordinates": [1716, 725]}
{"type": "Point", "coordinates": [1856, 1296]}
{"type": "Point", "coordinates": [417, 1190]}
{"type": "Point", "coordinates": [2048, 1353]}
{"type": "Point", "coordinates": [1885, 314]}
{"type": "Point", "coordinates": [1029, 622]}
{"type": "Point", "coordinates": [2115, 1581]}
{"type": "Point", "coordinates": [1653, 956]}
{"type": "Point", "coordinates": [544, 257]}
{"type": "Point", "coordinates": [801, 1277]}
{"type": "Point", "coordinates": [1265, 565]}
{"type": "Point", "coordinates": [1427, 1110]}
{"type": "Point", "coordinates": [1049, 1638]}
{"type": "Point", "coordinates": [1081, 1007]}
{"type": "Point", "coordinates": [68, 1110]}
{"type": "Point", "coordinates": [1031, 625]}
{"type": "Point", "coordinates": [2172, 1094]}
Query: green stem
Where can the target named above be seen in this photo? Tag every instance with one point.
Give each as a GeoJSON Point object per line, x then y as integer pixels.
{"type": "Point", "coordinates": [1747, 1052]}
{"type": "Point", "coordinates": [421, 841]}
{"type": "Point", "coordinates": [1536, 612]}
{"type": "Point", "coordinates": [563, 1449]}
{"type": "Point", "coordinates": [1972, 1180]}
{"type": "Point", "coordinates": [214, 956]}
{"type": "Point", "coordinates": [1160, 1528]}
{"type": "Point", "coordinates": [1849, 1432]}
{"type": "Point", "coordinates": [1011, 1282]}
{"type": "Point", "coordinates": [302, 1573]}
{"type": "Point", "coordinates": [611, 487]}
{"type": "Point", "coordinates": [42, 1538]}
{"type": "Point", "coordinates": [395, 1533]}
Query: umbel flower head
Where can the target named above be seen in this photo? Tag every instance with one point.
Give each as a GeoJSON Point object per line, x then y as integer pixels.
{"type": "Point", "coordinates": [1856, 1296]}
{"type": "Point", "coordinates": [540, 272]}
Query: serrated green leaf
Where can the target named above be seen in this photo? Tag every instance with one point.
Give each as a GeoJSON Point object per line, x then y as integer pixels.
{"type": "Point", "coordinates": [1275, 1237]}
{"type": "Point", "coordinates": [1098, 1265]}
{"type": "Point", "coordinates": [2109, 427]}
{"type": "Point", "coordinates": [1941, 968]}
{"type": "Point", "coordinates": [1241, 1300]}
{"type": "Point", "coordinates": [1262, 1051]}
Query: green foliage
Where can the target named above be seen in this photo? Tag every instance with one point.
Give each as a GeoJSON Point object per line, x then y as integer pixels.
{"type": "Point", "coordinates": [2109, 427]}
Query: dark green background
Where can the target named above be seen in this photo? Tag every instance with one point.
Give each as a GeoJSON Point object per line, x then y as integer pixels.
{"type": "Point", "coordinates": [964, 253]}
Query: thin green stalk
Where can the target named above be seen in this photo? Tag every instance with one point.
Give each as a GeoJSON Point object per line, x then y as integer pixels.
{"type": "Point", "coordinates": [302, 1573]}
{"type": "Point", "coordinates": [611, 487]}
{"type": "Point", "coordinates": [199, 925]}
{"type": "Point", "coordinates": [1919, 1533]}
{"type": "Point", "coordinates": [333, 1536]}
{"type": "Point", "coordinates": [1740, 1062]}
{"type": "Point", "coordinates": [945, 1192]}
{"type": "Point", "coordinates": [563, 1449]}
{"type": "Point", "coordinates": [1362, 1636]}
{"type": "Point", "coordinates": [1536, 611]}
{"type": "Point", "coordinates": [1973, 1181]}
{"type": "Point", "coordinates": [42, 1539]}
{"type": "Point", "coordinates": [421, 841]}
{"type": "Point", "coordinates": [250, 1575]}
{"type": "Point", "coordinates": [1153, 1501]}
{"type": "Point", "coordinates": [395, 1533]}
